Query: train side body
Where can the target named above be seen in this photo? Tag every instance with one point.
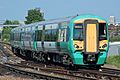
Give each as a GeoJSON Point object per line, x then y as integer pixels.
{"type": "Point", "coordinates": [78, 40]}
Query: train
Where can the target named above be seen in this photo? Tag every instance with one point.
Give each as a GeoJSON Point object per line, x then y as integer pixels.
{"type": "Point", "coordinates": [80, 40]}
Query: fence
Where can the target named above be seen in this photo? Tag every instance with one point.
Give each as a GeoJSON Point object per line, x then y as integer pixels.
{"type": "Point", "coordinates": [114, 48]}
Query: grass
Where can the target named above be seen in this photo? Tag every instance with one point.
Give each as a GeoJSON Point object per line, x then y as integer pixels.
{"type": "Point", "coordinates": [114, 60]}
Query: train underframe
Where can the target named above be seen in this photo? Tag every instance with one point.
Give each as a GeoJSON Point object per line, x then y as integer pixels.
{"type": "Point", "coordinates": [57, 58]}
{"type": "Point", "coordinates": [42, 56]}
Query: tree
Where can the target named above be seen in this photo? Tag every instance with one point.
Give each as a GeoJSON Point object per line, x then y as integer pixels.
{"type": "Point", "coordinates": [15, 22]}
{"type": "Point", "coordinates": [34, 15]}
{"type": "Point", "coordinates": [7, 22]}
{"type": "Point", "coordinates": [6, 30]}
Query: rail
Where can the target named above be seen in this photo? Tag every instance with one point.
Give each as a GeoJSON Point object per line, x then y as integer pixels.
{"type": "Point", "coordinates": [46, 71]}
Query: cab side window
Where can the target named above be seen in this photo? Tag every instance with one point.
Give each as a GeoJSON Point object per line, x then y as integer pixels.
{"type": "Point", "coordinates": [102, 31]}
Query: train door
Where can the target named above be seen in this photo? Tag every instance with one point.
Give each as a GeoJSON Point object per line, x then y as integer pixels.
{"type": "Point", "coordinates": [63, 36]}
{"type": "Point", "coordinates": [50, 37]}
{"type": "Point", "coordinates": [38, 38]}
{"type": "Point", "coordinates": [22, 34]}
{"type": "Point", "coordinates": [91, 39]}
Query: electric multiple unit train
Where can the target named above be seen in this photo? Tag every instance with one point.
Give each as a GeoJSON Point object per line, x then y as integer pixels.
{"type": "Point", "coordinates": [77, 40]}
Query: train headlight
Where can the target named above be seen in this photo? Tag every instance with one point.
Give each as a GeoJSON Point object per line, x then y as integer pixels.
{"type": "Point", "coordinates": [76, 46]}
{"type": "Point", "coordinates": [105, 45]}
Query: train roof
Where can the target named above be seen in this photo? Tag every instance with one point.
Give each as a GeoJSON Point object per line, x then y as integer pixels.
{"type": "Point", "coordinates": [57, 20]}
{"type": "Point", "coordinates": [88, 16]}
{"type": "Point", "coordinates": [65, 19]}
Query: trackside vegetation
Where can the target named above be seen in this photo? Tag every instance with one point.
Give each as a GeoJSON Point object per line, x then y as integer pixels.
{"type": "Point", "coordinates": [115, 38]}
{"type": "Point", "coordinates": [114, 60]}
{"type": "Point", "coordinates": [34, 15]}
{"type": "Point", "coordinates": [6, 30]}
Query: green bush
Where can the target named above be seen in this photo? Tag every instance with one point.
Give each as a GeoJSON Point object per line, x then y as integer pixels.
{"type": "Point", "coordinates": [115, 38]}
{"type": "Point", "coordinates": [6, 34]}
{"type": "Point", "coordinates": [114, 60]}
{"type": "Point", "coordinates": [6, 37]}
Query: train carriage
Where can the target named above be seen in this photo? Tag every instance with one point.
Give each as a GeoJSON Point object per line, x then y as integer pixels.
{"type": "Point", "coordinates": [77, 40]}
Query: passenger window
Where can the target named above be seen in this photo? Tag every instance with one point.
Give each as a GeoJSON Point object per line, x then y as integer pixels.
{"type": "Point", "coordinates": [16, 35]}
{"type": "Point", "coordinates": [54, 35]}
{"type": "Point", "coordinates": [38, 34]}
{"type": "Point", "coordinates": [47, 35]}
{"type": "Point", "coordinates": [51, 35]}
{"type": "Point", "coordinates": [22, 36]}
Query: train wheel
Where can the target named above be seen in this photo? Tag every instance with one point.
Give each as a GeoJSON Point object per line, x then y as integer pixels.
{"type": "Point", "coordinates": [16, 51]}
{"type": "Point", "coordinates": [28, 54]}
{"type": "Point", "coordinates": [67, 60]}
{"type": "Point", "coordinates": [98, 67]}
{"type": "Point", "coordinates": [13, 49]}
{"type": "Point", "coordinates": [34, 55]}
{"type": "Point", "coordinates": [39, 56]}
{"type": "Point", "coordinates": [22, 52]}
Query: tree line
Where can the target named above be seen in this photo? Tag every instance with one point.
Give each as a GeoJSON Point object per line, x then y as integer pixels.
{"type": "Point", "coordinates": [34, 15]}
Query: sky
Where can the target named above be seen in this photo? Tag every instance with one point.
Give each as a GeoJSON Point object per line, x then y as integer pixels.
{"type": "Point", "coordinates": [17, 9]}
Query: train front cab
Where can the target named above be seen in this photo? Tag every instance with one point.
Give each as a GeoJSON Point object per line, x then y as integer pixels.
{"type": "Point", "coordinates": [90, 40]}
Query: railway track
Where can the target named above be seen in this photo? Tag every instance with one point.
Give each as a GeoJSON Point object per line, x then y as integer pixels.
{"type": "Point", "coordinates": [43, 73]}
{"type": "Point", "coordinates": [81, 73]}
{"type": "Point", "coordinates": [7, 55]}
{"type": "Point", "coordinates": [46, 71]}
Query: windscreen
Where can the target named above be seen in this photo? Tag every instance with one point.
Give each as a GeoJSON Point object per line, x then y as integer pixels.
{"type": "Point", "coordinates": [78, 32]}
